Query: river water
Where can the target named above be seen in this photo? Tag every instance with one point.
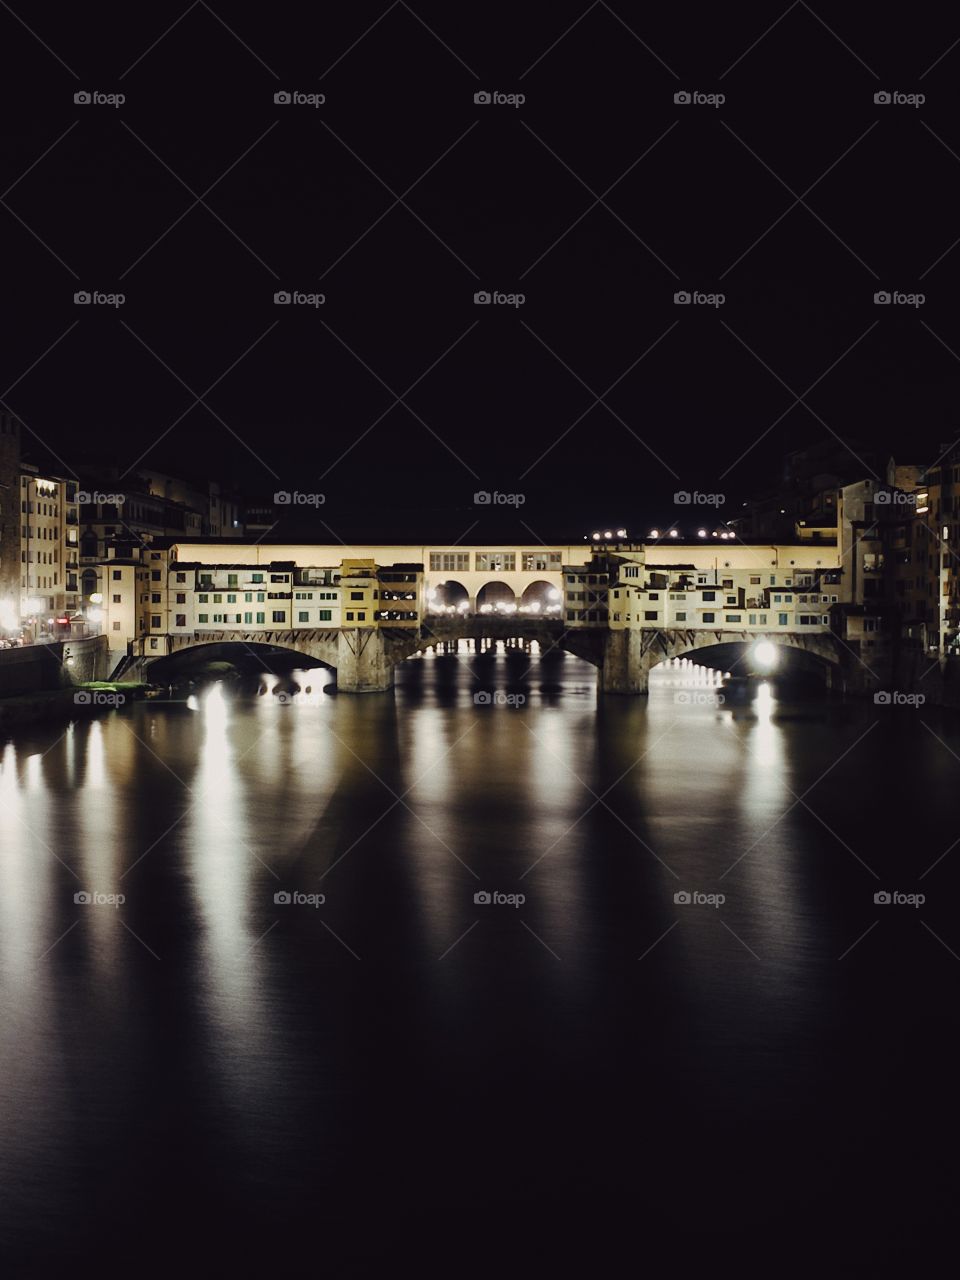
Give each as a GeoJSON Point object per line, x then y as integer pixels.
{"type": "Point", "coordinates": [378, 1067]}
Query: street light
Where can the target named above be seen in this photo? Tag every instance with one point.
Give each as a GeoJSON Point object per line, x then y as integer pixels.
{"type": "Point", "coordinates": [765, 655]}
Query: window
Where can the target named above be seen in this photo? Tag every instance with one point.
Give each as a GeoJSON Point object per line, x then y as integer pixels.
{"type": "Point", "coordinates": [261, 617]}
{"type": "Point", "coordinates": [496, 561]}
{"type": "Point", "coordinates": [153, 643]}
{"type": "Point", "coordinates": [203, 599]}
{"type": "Point", "coordinates": [231, 579]}
{"type": "Point", "coordinates": [709, 617]}
{"type": "Point", "coordinates": [203, 617]}
{"type": "Point", "coordinates": [154, 597]}
{"type": "Point", "coordinates": [218, 599]}
{"type": "Point", "coordinates": [325, 615]}
{"type": "Point", "coordinates": [181, 577]}
{"type": "Point", "coordinates": [279, 615]}
{"type": "Point", "coordinates": [752, 620]}
{"type": "Point", "coordinates": [181, 620]}
{"type": "Point", "coordinates": [650, 615]}
{"type": "Point", "coordinates": [356, 595]}
{"type": "Point", "coordinates": [349, 615]}
{"type": "Point", "coordinates": [256, 577]}
{"type": "Point", "coordinates": [447, 560]}
{"type": "Point", "coordinates": [117, 599]}
{"type": "Point", "coordinates": [755, 582]}
{"type": "Point", "coordinates": [653, 595]}
{"type": "Point", "coordinates": [709, 595]}
{"type": "Point", "coordinates": [248, 618]}
{"type": "Point", "coordinates": [218, 617]}
{"type": "Point", "coordinates": [681, 617]}
{"type": "Point", "coordinates": [155, 620]}
{"type": "Point", "coordinates": [361, 617]}
{"type": "Point", "coordinates": [231, 599]}
{"type": "Point", "coordinates": [303, 615]}
{"type": "Point", "coordinates": [116, 626]}
{"type": "Point", "coordinates": [154, 575]}
{"type": "Point", "coordinates": [734, 617]}
{"type": "Point", "coordinates": [277, 577]}
{"type": "Point", "coordinates": [782, 619]}
{"type": "Point", "coordinates": [117, 575]}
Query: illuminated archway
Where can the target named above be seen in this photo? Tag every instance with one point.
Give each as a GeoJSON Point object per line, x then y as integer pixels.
{"type": "Point", "coordinates": [496, 597]}
{"type": "Point", "coordinates": [542, 599]}
{"type": "Point", "coordinates": [449, 597]}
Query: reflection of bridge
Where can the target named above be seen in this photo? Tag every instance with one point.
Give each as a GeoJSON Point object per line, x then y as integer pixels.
{"type": "Point", "coordinates": [365, 658]}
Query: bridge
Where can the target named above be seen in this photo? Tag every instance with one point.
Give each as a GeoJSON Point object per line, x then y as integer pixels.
{"type": "Point", "coordinates": [365, 659]}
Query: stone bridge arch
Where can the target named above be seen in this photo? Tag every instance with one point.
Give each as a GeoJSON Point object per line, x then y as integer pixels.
{"type": "Point", "coordinates": [630, 656]}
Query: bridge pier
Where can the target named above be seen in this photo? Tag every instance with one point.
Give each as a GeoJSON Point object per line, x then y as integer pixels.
{"type": "Point", "coordinates": [363, 664]}
{"type": "Point", "coordinates": [625, 667]}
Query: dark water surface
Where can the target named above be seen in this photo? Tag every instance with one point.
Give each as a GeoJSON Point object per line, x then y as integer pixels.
{"type": "Point", "coordinates": [596, 1081]}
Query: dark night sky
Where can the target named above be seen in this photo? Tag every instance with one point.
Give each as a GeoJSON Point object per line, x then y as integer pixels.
{"type": "Point", "coordinates": [298, 387]}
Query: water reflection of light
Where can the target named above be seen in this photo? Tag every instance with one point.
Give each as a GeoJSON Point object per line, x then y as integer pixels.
{"type": "Point", "coordinates": [220, 857]}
